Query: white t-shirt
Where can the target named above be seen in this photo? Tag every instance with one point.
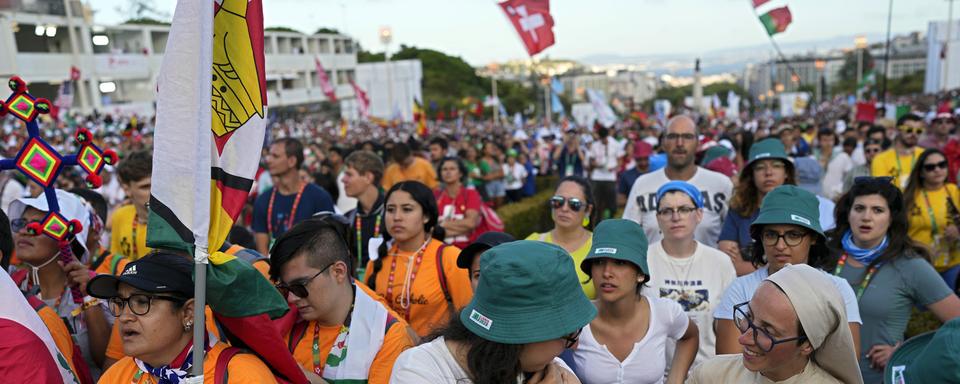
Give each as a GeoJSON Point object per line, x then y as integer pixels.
{"type": "Point", "coordinates": [715, 189]}
{"type": "Point", "coordinates": [344, 203]}
{"type": "Point", "coordinates": [646, 362]}
{"type": "Point", "coordinates": [607, 156]}
{"type": "Point", "coordinates": [744, 286]}
{"type": "Point", "coordinates": [696, 283]}
{"type": "Point", "coordinates": [514, 176]}
{"type": "Point", "coordinates": [832, 185]}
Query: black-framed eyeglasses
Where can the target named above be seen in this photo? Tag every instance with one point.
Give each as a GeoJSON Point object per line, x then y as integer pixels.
{"type": "Point", "coordinates": [681, 211]}
{"type": "Point", "coordinates": [872, 180]}
{"type": "Point", "coordinates": [20, 223]}
{"type": "Point", "coordinates": [761, 338]}
{"type": "Point", "coordinates": [684, 136]}
{"type": "Point", "coordinates": [299, 288]}
{"type": "Point", "coordinates": [791, 238]}
{"type": "Point", "coordinates": [572, 339]}
{"type": "Point", "coordinates": [138, 303]}
{"type": "Point", "coordinates": [930, 167]}
{"type": "Point", "coordinates": [575, 204]}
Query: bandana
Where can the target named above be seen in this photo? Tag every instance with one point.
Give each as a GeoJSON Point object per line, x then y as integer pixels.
{"type": "Point", "coordinates": [167, 374]}
{"type": "Point", "coordinates": [864, 256]}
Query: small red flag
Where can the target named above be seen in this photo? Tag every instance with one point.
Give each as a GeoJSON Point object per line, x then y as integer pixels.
{"type": "Point", "coordinates": [757, 3]}
{"type": "Point", "coordinates": [325, 81]}
{"type": "Point", "coordinates": [533, 22]}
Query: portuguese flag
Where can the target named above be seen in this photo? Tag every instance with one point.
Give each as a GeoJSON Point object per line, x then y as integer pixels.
{"type": "Point", "coordinates": [776, 20]}
{"type": "Point", "coordinates": [211, 120]}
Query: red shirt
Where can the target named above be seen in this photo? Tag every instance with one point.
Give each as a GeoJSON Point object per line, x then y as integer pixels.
{"type": "Point", "coordinates": [456, 208]}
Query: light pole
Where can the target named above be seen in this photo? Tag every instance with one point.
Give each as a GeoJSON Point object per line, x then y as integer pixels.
{"type": "Point", "coordinates": [386, 36]}
{"type": "Point", "coordinates": [493, 68]}
{"type": "Point", "coordinates": [820, 65]}
{"type": "Point", "coordinates": [945, 73]}
{"type": "Point", "coordinates": [861, 43]}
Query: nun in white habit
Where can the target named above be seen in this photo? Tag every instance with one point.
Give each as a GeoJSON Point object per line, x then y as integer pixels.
{"type": "Point", "coordinates": [794, 330]}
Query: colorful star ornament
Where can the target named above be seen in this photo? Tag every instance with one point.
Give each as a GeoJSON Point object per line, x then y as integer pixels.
{"type": "Point", "coordinates": [40, 162]}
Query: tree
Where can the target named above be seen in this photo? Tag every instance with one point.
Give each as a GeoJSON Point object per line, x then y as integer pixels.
{"type": "Point", "coordinates": [326, 30]}
{"type": "Point", "coordinates": [281, 28]}
{"type": "Point", "coordinates": [847, 79]}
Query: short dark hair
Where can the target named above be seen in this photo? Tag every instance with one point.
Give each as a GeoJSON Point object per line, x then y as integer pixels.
{"type": "Point", "coordinates": [95, 199]}
{"type": "Point", "coordinates": [908, 117]}
{"type": "Point", "coordinates": [136, 166]}
{"type": "Point", "coordinates": [319, 238]}
{"type": "Point", "coordinates": [440, 141]}
{"type": "Point", "coordinates": [366, 161]}
{"type": "Point", "coordinates": [850, 142]}
{"type": "Point", "coordinates": [241, 236]}
{"type": "Point", "coordinates": [292, 147]}
{"type": "Point", "coordinates": [400, 152]}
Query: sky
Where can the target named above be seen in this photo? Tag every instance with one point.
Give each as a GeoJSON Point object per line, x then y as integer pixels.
{"type": "Point", "coordinates": [478, 31]}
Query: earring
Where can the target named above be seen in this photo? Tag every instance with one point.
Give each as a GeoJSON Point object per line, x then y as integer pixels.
{"type": "Point", "coordinates": [188, 326]}
{"type": "Point", "coordinates": [586, 221]}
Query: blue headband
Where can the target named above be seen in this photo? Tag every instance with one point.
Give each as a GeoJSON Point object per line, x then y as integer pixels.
{"type": "Point", "coordinates": [684, 187]}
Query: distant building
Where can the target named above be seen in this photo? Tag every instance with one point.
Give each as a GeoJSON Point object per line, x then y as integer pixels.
{"type": "Point", "coordinates": [943, 62]}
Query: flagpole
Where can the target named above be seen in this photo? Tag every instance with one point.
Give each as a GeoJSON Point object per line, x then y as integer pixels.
{"type": "Point", "coordinates": [776, 46]}
{"type": "Point", "coordinates": [886, 58]}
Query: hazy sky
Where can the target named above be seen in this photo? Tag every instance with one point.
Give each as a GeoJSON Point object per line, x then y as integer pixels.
{"type": "Point", "coordinates": [478, 31]}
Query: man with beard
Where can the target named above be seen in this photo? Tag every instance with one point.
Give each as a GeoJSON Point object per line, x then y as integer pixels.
{"type": "Point", "coordinates": [680, 142]}
{"type": "Point", "coordinates": [897, 162]}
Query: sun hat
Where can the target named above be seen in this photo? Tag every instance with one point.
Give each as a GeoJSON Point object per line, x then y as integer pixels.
{"type": "Point", "coordinates": [684, 187]}
{"type": "Point", "coordinates": [771, 148]}
{"type": "Point", "coordinates": [72, 207]}
{"type": "Point", "coordinates": [789, 204]}
{"type": "Point", "coordinates": [159, 272]}
{"type": "Point", "coordinates": [618, 239]}
{"type": "Point", "coordinates": [484, 242]}
{"type": "Point", "coordinates": [528, 292]}
{"type": "Point", "coordinates": [932, 357]}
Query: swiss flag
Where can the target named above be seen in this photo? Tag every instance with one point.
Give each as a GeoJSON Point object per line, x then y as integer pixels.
{"type": "Point", "coordinates": [533, 22]}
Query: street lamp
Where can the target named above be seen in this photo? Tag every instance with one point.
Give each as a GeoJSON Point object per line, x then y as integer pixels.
{"type": "Point", "coordinates": [386, 36]}
{"type": "Point", "coordinates": [819, 65]}
{"type": "Point", "coordinates": [860, 42]}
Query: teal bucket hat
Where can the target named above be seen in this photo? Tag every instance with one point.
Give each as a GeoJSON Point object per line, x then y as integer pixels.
{"type": "Point", "coordinates": [528, 292]}
{"type": "Point", "coordinates": [932, 357]}
{"type": "Point", "coordinates": [618, 239]}
{"type": "Point", "coordinates": [789, 204]}
{"type": "Point", "coordinates": [771, 148]}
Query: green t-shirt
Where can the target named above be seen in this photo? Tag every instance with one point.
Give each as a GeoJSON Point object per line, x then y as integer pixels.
{"type": "Point", "coordinates": [578, 256]}
{"type": "Point", "coordinates": [473, 174]}
{"type": "Point", "coordinates": [885, 305]}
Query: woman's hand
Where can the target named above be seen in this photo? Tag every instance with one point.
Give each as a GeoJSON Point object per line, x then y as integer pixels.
{"type": "Point", "coordinates": [880, 354]}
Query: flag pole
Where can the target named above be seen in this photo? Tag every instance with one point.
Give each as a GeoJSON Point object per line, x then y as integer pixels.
{"type": "Point", "coordinates": [776, 46]}
{"type": "Point", "coordinates": [200, 258]}
{"type": "Point", "coordinates": [886, 58]}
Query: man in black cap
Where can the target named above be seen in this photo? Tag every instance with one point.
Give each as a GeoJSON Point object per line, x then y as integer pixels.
{"type": "Point", "coordinates": [469, 257]}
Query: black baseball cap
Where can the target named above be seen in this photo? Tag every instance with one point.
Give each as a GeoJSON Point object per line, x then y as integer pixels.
{"type": "Point", "coordinates": [160, 272]}
{"type": "Point", "coordinates": [484, 242]}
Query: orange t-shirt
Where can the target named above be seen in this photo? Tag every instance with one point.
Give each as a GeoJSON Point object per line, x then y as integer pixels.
{"type": "Point", "coordinates": [115, 346]}
{"type": "Point", "coordinates": [428, 308]}
{"type": "Point", "coordinates": [243, 368]}
{"type": "Point", "coordinates": [396, 340]}
{"type": "Point", "coordinates": [420, 170]}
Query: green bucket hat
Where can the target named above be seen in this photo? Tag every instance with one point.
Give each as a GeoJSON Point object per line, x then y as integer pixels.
{"type": "Point", "coordinates": [932, 357]}
{"type": "Point", "coordinates": [714, 153]}
{"type": "Point", "coordinates": [789, 204]}
{"type": "Point", "coordinates": [618, 239]}
{"type": "Point", "coordinates": [771, 148]}
{"type": "Point", "coordinates": [528, 292]}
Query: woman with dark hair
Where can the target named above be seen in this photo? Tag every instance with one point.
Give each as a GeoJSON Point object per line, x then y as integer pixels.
{"type": "Point", "coordinates": [423, 283]}
{"type": "Point", "coordinates": [458, 205]}
{"type": "Point", "coordinates": [492, 168]}
{"type": "Point", "coordinates": [527, 310]}
{"type": "Point", "coordinates": [786, 231]}
{"type": "Point", "coordinates": [889, 271]}
{"type": "Point", "coordinates": [571, 210]}
{"type": "Point", "coordinates": [931, 204]}
{"type": "Point", "coordinates": [768, 167]}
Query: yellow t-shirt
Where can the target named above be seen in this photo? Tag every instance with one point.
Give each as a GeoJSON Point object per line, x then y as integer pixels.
{"type": "Point", "coordinates": [397, 340]}
{"type": "Point", "coordinates": [122, 234]}
{"type": "Point", "coordinates": [428, 309]}
{"type": "Point", "coordinates": [420, 170]}
{"type": "Point", "coordinates": [921, 229]}
{"type": "Point", "coordinates": [889, 163]}
{"type": "Point", "coordinates": [243, 368]}
{"type": "Point", "coordinates": [578, 256]}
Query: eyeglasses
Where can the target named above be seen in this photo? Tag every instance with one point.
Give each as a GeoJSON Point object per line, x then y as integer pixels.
{"type": "Point", "coordinates": [930, 167]}
{"type": "Point", "coordinates": [684, 136]}
{"type": "Point", "coordinates": [299, 288]}
{"type": "Point", "coordinates": [942, 121]}
{"type": "Point", "coordinates": [906, 129]}
{"type": "Point", "coordinates": [761, 338]}
{"type": "Point", "coordinates": [20, 223]}
{"type": "Point", "coordinates": [138, 303]}
{"type": "Point", "coordinates": [572, 339]}
{"type": "Point", "coordinates": [575, 204]}
{"type": "Point", "coordinates": [872, 180]}
{"type": "Point", "coordinates": [680, 211]}
{"type": "Point", "coordinates": [791, 238]}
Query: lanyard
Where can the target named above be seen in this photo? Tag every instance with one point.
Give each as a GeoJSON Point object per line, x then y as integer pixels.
{"type": "Point", "coordinates": [405, 300]}
{"type": "Point", "coordinates": [316, 350]}
{"type": "Point", "coordinates": [866, 279]}
{"type": "Point", "coordinates": [293, 210]}
{"type": "Point", "coordinates": [913, 159]}
{"type": "Point", "coordinates": [133, 241]}
{"type": "Point", "coordinates": [933, 219]}
{"type": "Point", "coordinates": [376, 234]}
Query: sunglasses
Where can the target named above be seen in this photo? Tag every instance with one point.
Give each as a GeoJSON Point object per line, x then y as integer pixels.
{"type": "Point", "coordinates": [299, 288]}
{"type": "Point", "coordinates": [575, 204]}
{"type": "Point", "coordinates": [906, 129]}
{"type": "Point", "coordinates": [871, 150]}
{"type": "Point", "coordinates": [20, 223]}
{"type": "Point", "coordinates": [930, 167]}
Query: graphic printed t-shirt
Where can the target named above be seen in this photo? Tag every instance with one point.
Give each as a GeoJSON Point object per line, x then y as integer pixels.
{"type": "Point", "coordinates": [455, 208]}
{"type": "Point", "coordinates": [578, 256]}
{"type": "Point", "coordinates": [428, 309]}
{"type": "Point", "coordinates": [121, 234]}
{"type": "Point", "coordinates": [715, 189]}
{"type": "Point", "coordinates": [696, 283]}
{"type": "Point", "coordinates": [945, 255]}
{"type": "Point", "coordinates": [890, 163]}
{"type": "Point", "coordinates": [314, 199]}
{"type": "Point", "coordinates": [243, 368]}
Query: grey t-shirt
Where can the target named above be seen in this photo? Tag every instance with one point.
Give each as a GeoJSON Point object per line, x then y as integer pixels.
{"type": "Point", "coordinates": [885, 305]}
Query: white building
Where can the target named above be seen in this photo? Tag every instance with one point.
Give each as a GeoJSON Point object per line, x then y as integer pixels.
{"type": "Point", "coordinates": [943, 71]}
{"type": "Point", "coordinates": [119, 64]}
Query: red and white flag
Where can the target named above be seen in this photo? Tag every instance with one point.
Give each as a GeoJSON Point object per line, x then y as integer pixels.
{"type": "Point", "coordinates": [363, 102]}
{"type": "Point", "coordinates": [533, 22]}
{"type": "Point", "coordinates": [325, 81]}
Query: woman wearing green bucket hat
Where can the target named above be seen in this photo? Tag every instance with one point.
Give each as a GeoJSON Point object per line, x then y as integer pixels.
{"type": "Point", "coordinates": [525, 312]}
{"type": "Point", "coordinates": [627, 341]}
{"type": "Point", "coordinates": [768, 167]}
{"type": "Point", "coordinates": [786, 231]}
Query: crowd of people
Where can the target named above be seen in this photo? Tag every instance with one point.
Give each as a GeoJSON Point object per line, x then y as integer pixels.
{"type": "Point", "coordinates": [685, 250]}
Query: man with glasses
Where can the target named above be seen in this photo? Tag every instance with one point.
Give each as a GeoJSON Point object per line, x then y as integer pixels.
{"type": "Point", "coordinates": [897, 162]}
{"type": "Point", "coordinates": [680, 142]}
{"type": "Point", "coordinates": [313, 270]}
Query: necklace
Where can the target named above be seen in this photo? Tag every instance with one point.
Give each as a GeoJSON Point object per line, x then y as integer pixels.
{"type": "Point", "coordinates": [686, 272]}
{"type": "Point", "coordinates": [866, 279]}
{"type": "Point", "coordinates": [411, 276]}
{"type": "Point", "coordinates": [361, 269]}
{"type": "Point", "coordinates": [293, 209]}
{"type": "Point", "coordinates": [135, 254]}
